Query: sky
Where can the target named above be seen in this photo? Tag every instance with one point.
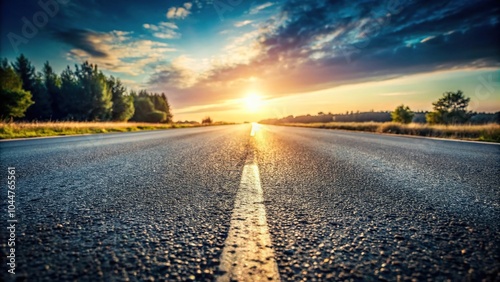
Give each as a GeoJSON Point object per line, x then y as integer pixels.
{"type": "Point", "coordinates": [239, 60]}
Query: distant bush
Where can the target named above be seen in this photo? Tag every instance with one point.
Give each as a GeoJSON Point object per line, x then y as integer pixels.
{"type": "Point", "coordinates": [402, 114]}
{"type": "Point", "coordinates": [207, 120]}
{"type": "Point", "coordinates": [187, 122]}
{"type": "Point", "coordinates": [155, 116]}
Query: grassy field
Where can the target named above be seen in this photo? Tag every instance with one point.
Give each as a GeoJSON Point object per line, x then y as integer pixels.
{"type": "Point", "coordinates": [486, 132]}
{"type": "Point", "coordinates": [41, 129]}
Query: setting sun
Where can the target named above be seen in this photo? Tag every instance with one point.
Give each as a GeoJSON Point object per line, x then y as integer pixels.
{"type": "Point", "coordinates": [253, 102]}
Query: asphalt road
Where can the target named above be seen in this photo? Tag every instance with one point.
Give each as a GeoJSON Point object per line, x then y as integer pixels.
{"type": "Point", "coordinates": [153, 206]}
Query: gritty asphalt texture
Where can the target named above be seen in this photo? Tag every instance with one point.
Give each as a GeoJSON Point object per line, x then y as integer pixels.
{"type": "Point", "coordinates": [156, 206]}
{"type": "Point", "coordinates": [370, 207]}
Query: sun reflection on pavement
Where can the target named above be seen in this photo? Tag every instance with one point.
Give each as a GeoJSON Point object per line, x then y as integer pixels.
{"type": "Point", "coordinates": [255, 128]}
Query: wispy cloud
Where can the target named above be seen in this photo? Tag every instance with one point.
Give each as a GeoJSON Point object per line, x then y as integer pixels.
{"type": "Point", "coordinates": [164, 30]}
{"type": "Point", "coordinates": [259, 8]}
{"type": "Point", "coordinates": [427, 39]}
{"type": "Point", "coordinates": [242, 23]}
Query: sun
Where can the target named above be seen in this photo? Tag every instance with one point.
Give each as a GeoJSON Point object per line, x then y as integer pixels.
{"type": "Point", "coordinates": [253, 102]}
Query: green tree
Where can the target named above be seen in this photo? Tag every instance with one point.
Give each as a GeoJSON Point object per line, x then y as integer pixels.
{"type": "Point", "coordinates": [145, 111]}
{"type": "Point", "coordinates": [53, 88]}
{"type": "Point", "coordinates": [123, 105]}
{"type": "Point", "coordinates": [94, 96]}
{"type": "Point", "coordinates": [96, 93]}
{"type": "Point", "coordinates": [143, 106]}
{"type": "Point", "coordinates": [102, 104]}
{"type": "Point", "coordinates": [450, 109]}
{"type": "Point", "coordinates": [168, 109]}
{"type": "Point", "coordinates": [33, 82]}
{"type": "Point", "coordinates": [434, 118]}
{"type": "Point", "coordinates": [151, 107]}
{"type": "Point", "coordinates": [26, 72]}
{"type": "Point", "coordinates": [73, 103]}
{"type": "Point", "coordinates": [15, 100]}
{"type": "Point", "coordinates": [402, 114]}
{"type": "Point", "coordinates": [42, 108]}
{"type": "Point", "coordinates": [161, 104]}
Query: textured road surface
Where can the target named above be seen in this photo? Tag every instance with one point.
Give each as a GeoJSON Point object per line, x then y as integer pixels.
{"type": "Point", "coordinates": [154, 206]}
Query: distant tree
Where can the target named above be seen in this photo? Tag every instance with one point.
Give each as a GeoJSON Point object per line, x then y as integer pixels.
{"type": "Point", "coordinates": [93, 96]}
{"type": "Point", "coordinates": [42, 108]}
{"type": "Point", "coordinates": [33, 82]}
{"type": "Point", "coordinates": [168, 110]}
{"type": "Point", "coordinates": [143, 93]}
{"type": "Point", "coordinates": [483, 118]}
{"type": "Point", "coordinates": [82, 94]}
{"type": "Point", "coordinates": [145, 111]}
{"type": "Point", "coordinates": [26, 72]}
{"type": "Point", "coordinates": [151, 107]}
{"type": "Point", "coordinates": [450, 109]}
{"type": "Point", "coordinates": [15, 100]}
{"type": "Point", "coordinates": [206, 120]}
{"type": "Point", "coordinates": [434, 118]}
{"type": "Point", "coordinates": [143, 106]}
{"type": "Point", "coordinates": [123, 105]}
{"type": "Point", "coordinates": [402, 114]}
{"type": "Point", "coordinates": [161, 104]}
{"type": "Point", "coordinates": [320, 113]}
{"type": "Point", "coordinates": [53, 87]}
{"type": "Point", "coordinates": [73, 105]}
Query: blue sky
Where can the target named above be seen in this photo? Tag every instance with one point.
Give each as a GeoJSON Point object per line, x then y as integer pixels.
{"type": "Point", "coordinates": [298, 56]}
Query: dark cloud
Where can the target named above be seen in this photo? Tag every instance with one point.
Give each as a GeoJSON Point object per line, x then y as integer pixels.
{"type": "Point", "coordinates": [374, 26]}
{"type": "Point", "coordinates": [81, 39]}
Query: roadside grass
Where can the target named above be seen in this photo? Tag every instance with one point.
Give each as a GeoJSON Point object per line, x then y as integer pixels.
{"type": "Point", "coordinates": [485, 132]}
{"type": "Point", "coordinates": [42, 129]}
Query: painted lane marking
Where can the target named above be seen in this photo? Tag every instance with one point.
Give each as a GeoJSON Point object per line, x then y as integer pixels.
{"type": "Point", "coordinates": [248, 253]}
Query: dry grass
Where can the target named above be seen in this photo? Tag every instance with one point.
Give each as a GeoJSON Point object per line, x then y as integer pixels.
{"type": "Point", "coordinates": [486, 132]}
{"type": "Point", "coordinates": [40, 129]}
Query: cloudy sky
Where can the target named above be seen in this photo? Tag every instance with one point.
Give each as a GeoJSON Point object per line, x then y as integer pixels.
{"type": "Point", "coordinates": [297, 56]}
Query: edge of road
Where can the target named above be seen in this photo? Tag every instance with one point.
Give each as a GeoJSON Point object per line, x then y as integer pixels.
{"type": "Point", "coordinates": [394, 135]}
{"type": "Point", "coordinates": [96, 134]}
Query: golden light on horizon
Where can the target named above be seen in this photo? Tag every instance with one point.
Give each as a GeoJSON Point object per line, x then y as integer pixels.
{"type": "Point", "coordinates": [253, 102]}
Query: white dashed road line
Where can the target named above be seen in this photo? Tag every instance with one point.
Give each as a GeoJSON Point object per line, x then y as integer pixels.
{"type": "Point", "coordinates": [248, 253]}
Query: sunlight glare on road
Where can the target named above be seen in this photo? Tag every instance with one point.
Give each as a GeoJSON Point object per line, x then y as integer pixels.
{"type": "Point", "coordinates": [255, 128]}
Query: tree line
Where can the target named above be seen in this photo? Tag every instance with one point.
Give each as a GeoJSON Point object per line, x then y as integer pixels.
{"type": "Point", "coordinates": [81, 94]}
{"type": "Point", "coordinates": [451, 108]}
